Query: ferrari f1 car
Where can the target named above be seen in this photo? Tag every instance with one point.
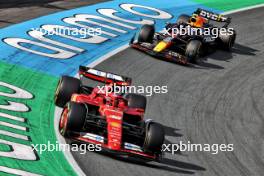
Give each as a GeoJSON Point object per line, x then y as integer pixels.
{"type": "Point", "coordinates": [186, 48]}
{"type": "Point", "coordinates": [113, 120]}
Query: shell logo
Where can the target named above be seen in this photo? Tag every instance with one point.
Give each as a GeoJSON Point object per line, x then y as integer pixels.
{"type": "Point", "coordinates": [115, 124]}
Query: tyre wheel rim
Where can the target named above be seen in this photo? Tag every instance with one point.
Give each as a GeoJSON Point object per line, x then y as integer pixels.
{"type": "Point", "coordinates": [63, 121]}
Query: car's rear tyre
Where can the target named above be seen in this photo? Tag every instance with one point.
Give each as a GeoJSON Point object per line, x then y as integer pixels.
{"type": "Point", "coordinates": [146, 33]}
{"type": "Point", "coordinates": [154, 139]}
{"type": "Point", "coordinates": [72, 118]}
{"type": "Point", "coordinates": [136, 101]}
{"type": "Point", "coordinates": [193, 50]}
{"type": "Point", "coordinates": [183, 18]}
{"type": "Point", "coordinates": [227, 41]}
{"type": "Point", "coordinates": [66, 87]}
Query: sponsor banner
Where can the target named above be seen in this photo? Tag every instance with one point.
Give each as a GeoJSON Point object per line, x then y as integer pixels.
{"type": "Point", "coordinates": [28, 44]}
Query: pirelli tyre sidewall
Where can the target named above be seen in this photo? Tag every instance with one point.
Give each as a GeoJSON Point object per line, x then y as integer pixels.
{"type": "Point", "coordinates": [66, 87]}
{"type": "Point", "coordinates": [227, 41]}
{"type": "Point", "coordinates": [154, 138]}
{"type": "Point", "coordinates": [146, 33]}
{"type": "Point", "coordinates": [193, 50]}
{"type": "Point", "coordinates": [72, 118]}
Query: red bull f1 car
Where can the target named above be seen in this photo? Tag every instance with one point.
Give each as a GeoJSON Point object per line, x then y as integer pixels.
{"type": "Point", "coordinates": [212, 32]}
{"type": "Point", "coordinates": [113, 120]}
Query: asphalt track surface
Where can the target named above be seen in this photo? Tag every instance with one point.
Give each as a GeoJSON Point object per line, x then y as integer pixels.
{"type": "Point", "coordinates": [12, 12]}
{"type": "Point", "coordinates": [218, 101]}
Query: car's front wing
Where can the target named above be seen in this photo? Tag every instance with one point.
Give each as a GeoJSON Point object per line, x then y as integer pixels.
{"type": "Point", "coordinates": [128, 149]}
{"type": "Point", "coordinates": [168, 55]}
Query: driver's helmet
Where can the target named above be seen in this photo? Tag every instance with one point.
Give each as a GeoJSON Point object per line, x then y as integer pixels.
{"type": "Point", "coordinates": [197, 21]}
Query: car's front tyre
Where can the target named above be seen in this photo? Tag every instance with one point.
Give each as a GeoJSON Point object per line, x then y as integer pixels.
{"type": "Point", "coordinates": [66, 87]}
{"type": "Point", "coordinates": [193, 50]}
{"type": "Point", "coordinates": [146, 33]}
{"type": "Point", "coordinates": [136, 101]}
{"type": "Point", "coordinates": [183, 18]}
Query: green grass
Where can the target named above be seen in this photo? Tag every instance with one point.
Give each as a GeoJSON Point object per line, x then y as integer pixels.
{"type": "Point", "coordinates": [229, 5]}
{"type": "Point", "coordinates": [39, 120]}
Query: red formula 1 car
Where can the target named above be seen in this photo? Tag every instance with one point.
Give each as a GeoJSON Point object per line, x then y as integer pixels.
{"type": "Point", "coordinates": [97, 116]}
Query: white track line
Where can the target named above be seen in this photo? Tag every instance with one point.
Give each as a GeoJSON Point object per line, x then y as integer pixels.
{"type": "Point", "coordinates": [110, 54]}
{"type": "Point", "coordinates": [61, 140]}
{"type": "Point", "coordinates": [243, 9]}
{"type": "Point", "coordinates": [57, 112]}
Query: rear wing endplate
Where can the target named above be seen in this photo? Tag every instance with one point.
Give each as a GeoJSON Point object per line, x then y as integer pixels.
{"type": "Point", "coordinates": [213, 16]}
{"type": "Point", "coordinates": [104, 77]}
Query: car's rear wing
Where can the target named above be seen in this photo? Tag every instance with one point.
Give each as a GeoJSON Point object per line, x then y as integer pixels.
{"type": "Point", "coordinates": [104, 77]}
{"type": "Point", "coordinates": [213, 16]}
